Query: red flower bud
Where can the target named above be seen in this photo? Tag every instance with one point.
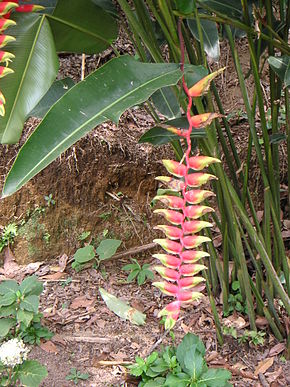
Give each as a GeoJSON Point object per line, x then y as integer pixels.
{"type": "Point", "coordinates": [5, 39]}
{"type": "Point", "coordinates": [6, 6]}
{"type": "Point", "coordinates": [5, 23]}
{"type": "Point", "coordinates": [29, 8]}
{"type": "Point", "coordinates": [5, 71]}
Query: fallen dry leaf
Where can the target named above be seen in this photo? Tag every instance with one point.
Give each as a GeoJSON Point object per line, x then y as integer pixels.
{"type": "Point", "coordinates": [272, 376]}
{"type": "Point", "coordinates": [263, 366]}
{"type": "Point", "coordinates": [212, 356]}
{"type": "Point", "coordinates": [82, 302]}
{"type": "Point", "coordinates": [234, 321]}
{"type": "Point", "coordinates": [49, 347]}
{"type": "Point", "coordinates": [261, 322]}
{"type": "Point", "coordinates": [278, 348]}
{"type": "Point", "coordinates": [62, 262]}
{"type": "Point", "coordinates": [32, 267]}
{"type": "Point", "coordinates": [54, 277]}
{"type": "Point", "coordinates": [10, 267]}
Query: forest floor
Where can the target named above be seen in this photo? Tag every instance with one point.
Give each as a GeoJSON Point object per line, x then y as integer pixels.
{"type": "Point", "coordinates": [105, 184]}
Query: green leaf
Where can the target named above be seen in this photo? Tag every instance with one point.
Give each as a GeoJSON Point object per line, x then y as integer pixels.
{"type": "Point", "coordinates": [141, 278]}
{"type": "Point", "coordinates": [189, 343]}
{"type": "Point", "coordinates": [24, 316]}
{"type": "Point", "coordinates": [5, 325]}
{"type": "Point", "coordinates": [122, 308]}
{"type": "Point", "coordinates": [85, 254]}
{"type": "Point", "coordinates": [31, 373]}
{"type": "Point", "coordinates": [166, 102]}
{"type": "Point", "coordinates": [232, 8]}
{"type": "Point", "coordinates": [132, 275]}
{"type": "Point", "coordinates": [105, 94]}
{"type": "Point", "coordinates": [130, 266]}
{"type": "Point", "coordinates": [82, 27]}
{"type": "Point", "coordinates": [159, 381]}
{"type": "Point", "coordinates": [8, 310]}
{"type": "Point", "coordinates": [194, 363]}
{"type": "Point", "coordinates": [30, 303]}
{"type": "Point", "coordinates": [185, 6]}
{"type": "Point", "coordinates": [56, 91]}
{"type": "Point", "coordinates": [8, 286]}
{"type": "Point", "coordinates": [180, 380]}
{"type": "Point", "coordinates": [107, 248]}
{"type": "Point", "coordinates": [158, 135]}
{"type": "Point", "coordinates": [216, 377]}
{"type": "Point", "coordinates": [7, 299]}
{"type": "Point", "coordinates": [35, 68]}
{"type": "Point", "coordinates": [210, 36]}
{"type": "Point", "coordinates": [31, 285]}
{"type": "Point", "coordinates": [107, 5]}
{"type": "Point", "coordinates": [281, 66]}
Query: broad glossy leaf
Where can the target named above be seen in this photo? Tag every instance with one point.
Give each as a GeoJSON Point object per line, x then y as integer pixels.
{"type": "Point", "coordinates": [57, 90]}
{"type": "Point", "coordinates": [166, 102]}
{"type": "Point", "coordinates": [232, 8]}
{"type": "Point", "coordinates": [107, 248]}
{"type": "Point", "coordinates": [185, 6]}
{"type": "Point", "coordinates": [85, 254]}
{"type": "Point", "coordinates": [281, 66]}
{"type": "Point", "coordinates": [31, 285]}
{"type": "Point", "coordinates": [31, 373]}
{"type": "Point", "coordinates": [122, 308]}
{"type": "Point", "coordinates": [158, 135]}
{"type": "Point", "coordinates": [30, 303]}
{"type": "Point", "coordinates": [8, 286]}
{"type": "Point", "coordinates": [107, 5]}
{"type": "Point", "coordinates": [210, 36]}
{"type": "Point", "coordinates": [35, 68]}
{"type": "Point", "coordinates": [190, 343]}
{"type": "Point", "coordinates": [82, 27]}
{"type": "Point", "coordinates": [103, 95]}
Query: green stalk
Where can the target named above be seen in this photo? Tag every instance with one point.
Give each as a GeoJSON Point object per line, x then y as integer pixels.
{"type": "Point", "coordinates": [216, 318]}
{"type": "Point", "coordinates": [174, 48]}
{"type": "Point", "coordinates": [222, 18]}
{"type": "Point", "coordinates": [138, 29]}
{"type": "Point", "coordinates": [169, 20]}
{"type": "Point", "coordinates": [260, 249]}
{"type": "Point", "coordinates": [272, 324]}
{"type": "Point", "coordinates": [226, 279]}
{"type": "Point", "coordinates": [287, 104]}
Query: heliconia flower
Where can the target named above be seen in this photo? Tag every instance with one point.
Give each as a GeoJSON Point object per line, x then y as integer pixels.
{"type": "Point", "coordinates": [2, 98]}
{"type": "Point", "coordinates": [5, 71]}
{"type": "Point", "coordinates": [191, 269]}
{"type": "Point", "coordinates": [193, 226]}
{"type": "Point", "coordinates": [170, 231]}
{"type": "Point", "coordinates": [192, 256]}
{"type": "Point", "coordinates": [190, 282]}
{"type": "Point", "coordinates": [197, 179]}
{"type": "Point", "coordinates": [5, 39]}
{"type": "Point", "coordinates": [6, 56]}
{"type": "Point", "coordinates": [168, 260]}
{"type": "Point", "coordinates": [173, 202]}
{"type": "Point", "coordinates": [202, 86]}
{"type": "Point", "coordinates": [172, 216]}
{"type": "Point", "coordinates": [166, 273]}
{"type": "Point", "coordinates": [169, 246]}
{"type": "Point", "coordinates": [202, 120]}
{"type": "Point", "coordinates": [195, 212]}
{"type": "Point", "coordinates": [175, 168]}
{"type": "Point", "coordinates": [167, 288]}
{"type": "Point", "coordinates": [192, 241]}
{"type": "Point", "coordinates": [2, 109]}
{"type": "Point", "coordinates": [199, 162]}
{"type": "Point", "coordinates": [5, 23]}
{"type": "Point", "coordinates": [173, 184]}
{"type": "Point", "coordinates": [195, 196]}
{"type": "Point", "coordinates": [187, 297]}
{"type": "Point", "coordinates": [29, 8]}
{"type": "Point", "coordinates": [172, 311]}
{"type": "Point", "coordinates": [7, 6]}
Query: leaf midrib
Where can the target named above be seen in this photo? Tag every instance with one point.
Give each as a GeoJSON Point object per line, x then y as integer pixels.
{"type": "Point", "coordinates": [24, 75]}
{"type": "Point", "coordinates": [76, 27]}
{"type": "Point", "coordinates": [100, 113]}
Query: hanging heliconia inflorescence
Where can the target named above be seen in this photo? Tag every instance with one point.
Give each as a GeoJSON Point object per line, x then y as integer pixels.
{"type": "Point", "coordinates": [6, 8]}
{"type": "Point", "coordinates": [180, 262]}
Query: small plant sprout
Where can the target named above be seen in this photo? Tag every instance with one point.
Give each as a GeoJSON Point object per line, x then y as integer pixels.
{"type": "Point", "coordinates": [49, 200]}
{"type": "Point", "coordinates": [253, 337]}
{"type": "Point", "coordinates": [180, 261]}
{"type": "Point", "coordinates": [182, 366]}
{"type": "Point", "coordinates": [8, 234]}
{"type": "Point", "coordinates": [75, 376]}
{"type": "Point", "coordinates": [141, 273]}
{"type": "Point", "coordinates": [84, 235]}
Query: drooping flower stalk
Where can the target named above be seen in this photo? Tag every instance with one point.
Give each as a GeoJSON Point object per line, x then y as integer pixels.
{"type": "Point", "coordinates": [6, 8]}
{"type": "Point", "coordinates": [180, 263]}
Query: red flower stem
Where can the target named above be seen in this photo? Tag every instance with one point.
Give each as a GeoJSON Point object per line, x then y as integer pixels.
{"type": "Point", "coordinates": [186, 135]}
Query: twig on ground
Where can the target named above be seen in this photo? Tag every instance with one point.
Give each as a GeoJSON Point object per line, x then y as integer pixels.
{"type": "Point", "coordinates": [263, 380]}
{"type": "Point", "coordinates": [88, 339]}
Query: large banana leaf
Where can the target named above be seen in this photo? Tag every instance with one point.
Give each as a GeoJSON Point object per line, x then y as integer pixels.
{"type": "Point", "coordinates": [35, 68]}
{"type": "Point", "coordinates": [210, 36]}
{"type": "Point", "coordinates": [103, 95]}
{"type": "Point", "coordinates": [81, 26]}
